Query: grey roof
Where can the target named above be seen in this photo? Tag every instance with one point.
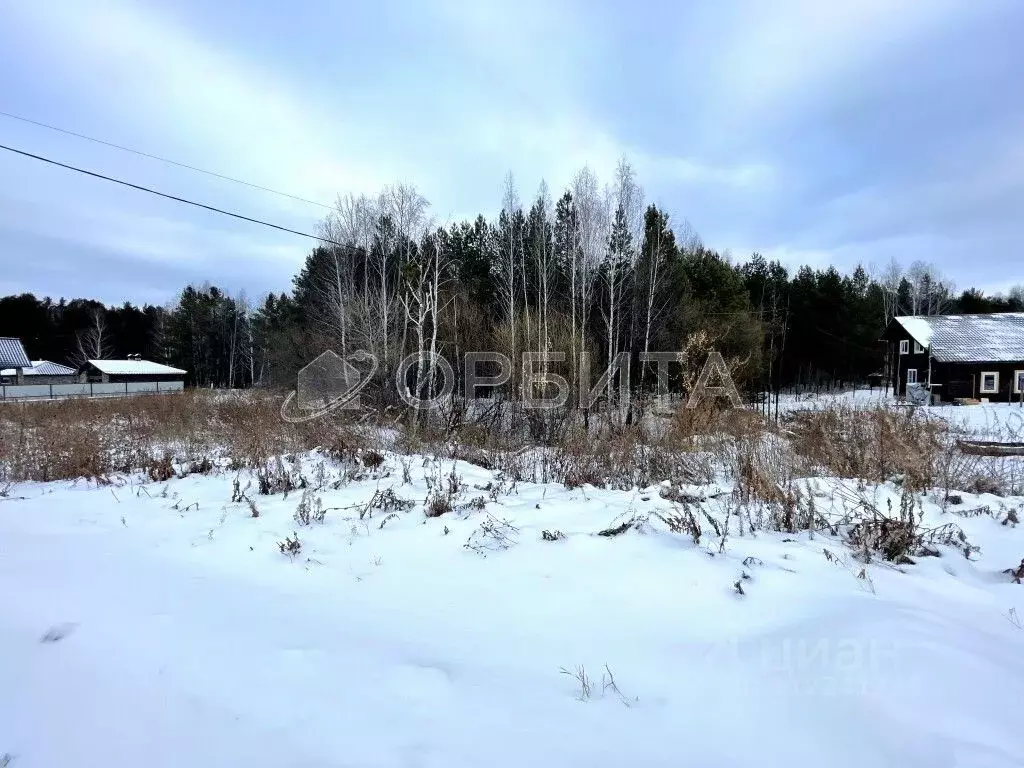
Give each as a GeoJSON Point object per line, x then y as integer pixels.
{"type": "Point", "coordinates": [43, 368]}
{"type": "Point", "coordinates": [12, 353]}
{"type": "Point", "coordinates": [995, 338]}
{"type": "Point", "coordinates": [46, 368]}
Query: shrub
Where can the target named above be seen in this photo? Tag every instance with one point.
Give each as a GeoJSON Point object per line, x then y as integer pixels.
{"type": "Point", "coordinates": [876, 444]}
{"type": "Point", "coordinates": [310, 509]}
{"type": "Point", "coordinates": [162, 469]}
{"type": "Point", "coordinates": [274, 477]}
{"type": "Point", "coordinates": [492, 535]}
{"type": "Point", "coordinates": [291, 545]}
{"type": "Point", "coordinates": [83, 437]}
{"type": "Point", "coordinates": [387, 500]}
{"type": "Point", "coordinates": [437, 504]}
{"type": "Point", "coordinates": [372, 459]}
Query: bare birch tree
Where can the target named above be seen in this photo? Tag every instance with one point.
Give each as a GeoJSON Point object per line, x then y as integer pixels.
{"type": "Point", "coordinates": [930, 293]}
{"type": "Point", "coordinates": [93, 343]}
{"type": "Point", "coordinates": [592, 232]}
{"type": "Point", "coordinates": [543, 265]}
{"type": "Point", "coordinates": [509, 269]}
{"type": "Point", "coordinates": [357, 223]}
{"type": "Point", "coordinates": [334, 284]}
{"type": "Point", "coordinates": [657, 244]}
{"type": "Point", "coordinates": [402, 223]}
{"type": "Point", "coordinates": [889, 282]}
{"type": "Point", "coordinates": [423, 300]}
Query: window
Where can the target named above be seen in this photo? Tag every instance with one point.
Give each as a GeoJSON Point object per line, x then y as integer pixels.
{"type": "Point", "coordinates": [918, 349]}
{"type": "Point", "coordinates": [911, 375]}
{"type": "Point", "coordinates": [1018, 382]}
{"type": "Point", "coordinates": [989, 382]}
{"type": "Point", "coordinates": [905, 347]}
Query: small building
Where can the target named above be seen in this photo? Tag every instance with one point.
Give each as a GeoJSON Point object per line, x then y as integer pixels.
{"type": "Point", "coordinates": [13, 360]}
{"type": "Point", "coordinates": [976, 357]}
{"type": "Point", "coordinates": [44, 372]}
{"type": "Point", "coordinates": [133, 371]}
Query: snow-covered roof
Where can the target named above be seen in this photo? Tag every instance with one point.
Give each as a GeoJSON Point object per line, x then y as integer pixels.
{"type": "Point", "coordinates": [42, 368]}
{"type": "Point", "coordinates": [918, 328]}
{"type": "Point", "coordinates": [995, 338]}
{"type": "Point", "coordinates": [47, 368]}
{"type": "Point", "coordinates": [134, 367]}
{"type": "Point", "coordinates": [12, 353]}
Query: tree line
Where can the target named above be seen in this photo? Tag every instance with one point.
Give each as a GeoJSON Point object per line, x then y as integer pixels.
{"type": "Point", "coordinates": [576, 280]}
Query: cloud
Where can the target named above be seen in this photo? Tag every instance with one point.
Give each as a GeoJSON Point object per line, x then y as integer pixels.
{"type": "Point", "coordinates": [230, 112]}
{"type": "Point", "coordinates": [819, 131]}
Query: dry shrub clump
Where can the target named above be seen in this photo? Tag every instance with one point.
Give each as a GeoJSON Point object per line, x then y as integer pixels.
{"type": "Point", "coordinates": [900, 444]}
{"type": "Point", "coordinates": [898, 533]}
{"type": "Point", "coordinates": [875, 444]}
{"type": "Point", "coordinates": [959, 471]}
{"type": "Point", "coordinates": [715, 420]}
{"type": "Point", "coordinates": [745, 445]}
{"type": "Point", "coordinates": [687, 447]}
{"type": "Point", "coordinates": [630, 458]}
{"type": "Point", "coordinates": [162, 435]}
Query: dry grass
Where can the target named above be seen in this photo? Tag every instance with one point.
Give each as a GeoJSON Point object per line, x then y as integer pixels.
{"type": "Point", "coordinates": [199, 431]}
{"type": "Point", "coordinates": [876, 444]}
{"type": "Point", "coordinates": [769, 465]}
{"type": "Point", "coordinates": [697, 424]}
{"type": "Point", "coordinates": [163, 435]}
{"type": "Point", "coordinates": [904, 445]}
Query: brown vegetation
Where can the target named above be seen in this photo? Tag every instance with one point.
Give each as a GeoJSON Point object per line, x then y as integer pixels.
{"type": "Point", "coordinates": [163, 435]}
{"type": "Point", "coordinates": [767, 464]}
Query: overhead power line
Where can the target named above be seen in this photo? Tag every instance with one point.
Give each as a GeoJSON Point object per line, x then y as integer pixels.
{"type": "Point", "coordinates": [140, 153]}
{"type": "Point", "coordinates": [169, 197]}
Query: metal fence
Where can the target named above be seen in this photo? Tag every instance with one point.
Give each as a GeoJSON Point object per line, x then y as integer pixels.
{"type": "Point", "coordinates": [86, 389]}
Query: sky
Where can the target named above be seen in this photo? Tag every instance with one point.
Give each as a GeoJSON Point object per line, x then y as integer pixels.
{"type": "Point", "coordinates": [820, 133]}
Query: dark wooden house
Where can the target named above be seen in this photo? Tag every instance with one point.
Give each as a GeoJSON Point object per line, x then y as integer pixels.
{"type": "Point", "coordinates": [979, 357]}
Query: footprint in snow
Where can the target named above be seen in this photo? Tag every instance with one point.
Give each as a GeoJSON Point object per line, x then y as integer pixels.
{"type": "Point", "coordinates": [58, 632]}
{"type": "Point", "coordinates": [422, 685]}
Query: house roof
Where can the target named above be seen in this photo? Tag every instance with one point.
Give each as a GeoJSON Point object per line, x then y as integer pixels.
{"type": "Point", "coordinates": [995, 338]}
{"type": "Point", "coordinates": [135, 367]}
{"type": "Point", "coordinates": [12, 353]}
{"type": "Point", "coordinates": [42, 368]}
{"type": "Point", "coordinates": [47, 368]}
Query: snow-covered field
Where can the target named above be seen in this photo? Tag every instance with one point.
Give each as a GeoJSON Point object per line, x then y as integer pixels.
{"type": "Point", "coordinates": [988, 419]}
{"type": "Point", "coordinates": [160, 624]}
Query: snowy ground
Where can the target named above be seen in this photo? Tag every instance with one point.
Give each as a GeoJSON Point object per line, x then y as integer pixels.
{"type": "Point", "coordinates": [159, 624]}
{"type": "Point", "coordinates": [985, 421]}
